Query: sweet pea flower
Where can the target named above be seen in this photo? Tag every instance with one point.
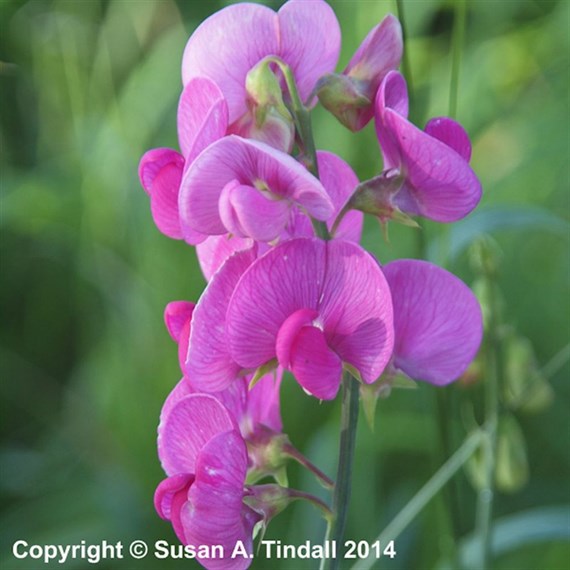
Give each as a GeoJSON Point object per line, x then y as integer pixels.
{"type": "Point", "coordinates": [350, 96]}
{"type": "Point", "coordinates": [202, 119]}
{"type": "Point", "coordinates": [206, 461]}
{"type": "Point", "coordinates": [229, 45]}
{"type": "Point", "coordinates": [313, 307]}
{"type": "Point", "coordinates": [437, 321]}
{"type": "Point", "coordinates": [251, 409]}
{"type": "Point", "coordinates": [248, 189]}
{"type": "Point", "coordinates": [339, 181]}
{"type": "Point", "coordinates": [427, 173]}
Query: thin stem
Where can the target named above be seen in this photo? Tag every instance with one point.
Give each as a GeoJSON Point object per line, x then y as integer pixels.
{"type": "Point", "coordinates": [486, 495]}
{"type": "Point", "coordinates": [457, 43]}
{"type": "Point", "coordinates": [341, 497]}
{"type": "Point", "coordinates": [425, 494]}
{"type": "Point", "coordinates": [294, 494]}
{"type": "Point", "coordinates": [295, 454]}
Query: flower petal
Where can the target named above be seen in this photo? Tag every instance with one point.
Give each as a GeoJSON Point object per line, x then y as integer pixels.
{"type": "Point", "coordinates": [287, 278]}
{"type": "Point", "coordinates": [176, 314]}
{"type": "Point", "coordinates": [263, 402]}
{"type": "Point", "coordinates": [202, 116]}
{"type": "Point", "coordinates": [437, 321]}
{"type": "Point", "coordinates": [227, 45]}
{"type": "Point", "coordinates": [288, 333]}
{"type": "Point", "coordinates": [190, 424]}
{"type": "Point", "coordinates": [215, 513]}
{"type": "Point", "coordinates": [452, 134]}
{"type": "Point", "coordinates": [251, 163]}
{"type": "Point", "coordinates": [164, 200]}
{"type": "Point", "coordinates": [216, 249]}
{"type": "Point", "coordinates": [356, 309]}
{"type": "Point", "coordinates": [153, 161]}
{"type": "Point", "coordinates": [340, 181]}
{"type": "Point", "coordinates": [246, 211]}
{"type": "Point", "coordinates": [315, 366]}
{"type": "Point", "coordinates": [302, 26]}
{"type": "Point", "coordinates": [209, 363]}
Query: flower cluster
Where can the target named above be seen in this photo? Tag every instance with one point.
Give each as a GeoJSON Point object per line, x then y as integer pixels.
{"type": "Point", "coordinates": [277, 227]}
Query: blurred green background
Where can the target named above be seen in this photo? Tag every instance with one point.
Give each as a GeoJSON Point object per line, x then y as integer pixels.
{"type": "Point", "coordinates": [86, 88]}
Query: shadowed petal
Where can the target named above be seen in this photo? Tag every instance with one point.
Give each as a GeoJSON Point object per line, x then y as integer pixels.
{"type": "Point", "coordinates": [209, 363]}
{"type": "Point", "coordinates": [437, 321]}
{"type": "Point", "coordinates": [215, 250]}
{"type": "Point", "coordinates": [164, 200]}
{"type": "Point", "coordinates": [263, 405]}
{"type": "Point", "coordinates": [187, 427]}
{"type": "Point", "coordinates": [169, 498]}
{"type": "Point", "coordinates": [202, 116]}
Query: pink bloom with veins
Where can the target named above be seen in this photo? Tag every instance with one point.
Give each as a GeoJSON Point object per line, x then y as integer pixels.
{"type": "Point", "coordinates": [437, 321]}
{"type": "Point", "coordinates": [314, 306]}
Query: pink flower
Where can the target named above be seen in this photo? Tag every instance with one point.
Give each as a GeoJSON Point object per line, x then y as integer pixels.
{"type": "Point", "coordinates": [248, 189]}
{"type": "Point", "coordinates": [230, 43]}
{"type": "Point", "coordinates": [314, 306]}
{"type": "Point", "coordinates": [350, 96]}
{"type": "Point", "coordinates": [437, 321]}
{"type": "Point", "coordinates": [339, 182]}
{"type": "Point", "coordinates": [251, 408]}
{"type": "Point", "coordinates": [202, 119]}
{"type": "Point", "coordinates": [427, 172]}
{"type": "Point", "coordinates": [206, 461]}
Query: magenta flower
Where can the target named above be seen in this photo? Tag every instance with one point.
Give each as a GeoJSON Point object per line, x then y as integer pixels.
{"type": "Point", "coordinates": [427, 173]}
{"type": "Point", "coordinates": [202, 119]}
{"type": "Point", "coordinates": [230, 43]}
{"type": "Point", "coordinates": [437, 321]}
{"type": "Point", "coordinates": [248, 188]}
{"type": "Point", "coordinates": [350, 96]}
{"type": "Point", "coordinates": [251, 408]}
{"type": "Point", "coordinates": [206, 461]}
{"type": "Point", "coordinates": [313, 306]}
{"type": "Point", "coordinates": [339, 182]}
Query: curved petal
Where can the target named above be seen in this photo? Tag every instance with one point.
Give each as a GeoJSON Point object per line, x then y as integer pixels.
{"type": "Point", "coordinates": [152, 163]}
{"type": "Point", "coordinates": [252, 163]}
{"type": "Point", "coordinates": [437, 321]}
{"type": "Point", "coordinates": [245, 211]}
{"type": "Point", "coordinates": [340, 181]}
{"type": "Point", "coordinates": [302, 26]}
{"type": "Point", "coordinates": [202, 116]}
{"type": "Point", "coordinates": [215, 513]}
{"type": "Point", "coordinates": [215, 250]}
{"type": "Point", "coordinates": [209, 362]}
{"type": "Point", "coordinates": [315, 366]}
{"type": "Point", "coordinates": [288, 333]}
{"type": "Point", "coordinates": [227, 45]}
{"type": "Point", "coordinates": [181, 390]}
{"type": "Point", "coordinates": [452, 134]}
{"type": "Point", "coordinates": [190, 424]}
{"type": "Point", "coordinates": [287, 278]}
{"type": "Point", "coordinates": [166, 490]}
{"type": "Point", "coordinates": [164, 200]}
{"type": "Point", "coordinates": [176, 314]}
{"type": "Point", "coordinates": [356, 309]}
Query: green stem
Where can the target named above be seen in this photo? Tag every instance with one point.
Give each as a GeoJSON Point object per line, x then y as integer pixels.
{"type": "Point", "coordinates": [425, 494]}
{"type": "Point", "coordinates": [341, 497]}
{"type": "Point", "coordinates": [302, 119]}
{"type": "Point", "coordinates": [457, 47]}
{"type": "Point", "coordinates": [295, 454]}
